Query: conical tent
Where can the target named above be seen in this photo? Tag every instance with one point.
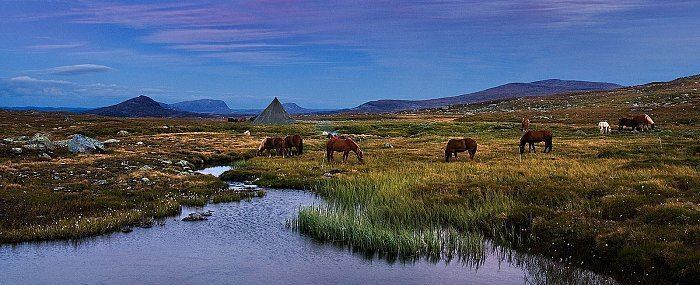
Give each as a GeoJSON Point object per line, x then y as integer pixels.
{"type": "Point", "coordinates": [274, 114]}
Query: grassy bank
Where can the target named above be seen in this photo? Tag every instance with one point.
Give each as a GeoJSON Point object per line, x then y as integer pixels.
{"type": "Point", "coordinates": [619, 204]}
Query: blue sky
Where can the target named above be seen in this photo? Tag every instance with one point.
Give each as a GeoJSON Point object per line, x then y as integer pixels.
{"type": "Point", "coordinates": [330, 54]}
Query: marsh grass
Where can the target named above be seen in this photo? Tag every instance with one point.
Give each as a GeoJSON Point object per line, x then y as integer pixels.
{"type": "Point", "coordinates": [236, 196]}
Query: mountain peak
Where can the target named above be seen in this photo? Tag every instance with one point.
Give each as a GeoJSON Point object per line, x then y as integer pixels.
{"type": "Point", "coordinates": [141, 106]}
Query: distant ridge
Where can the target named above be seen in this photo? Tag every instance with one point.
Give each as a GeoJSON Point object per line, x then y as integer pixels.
{"type": "Point", "coordinates": [510, 90]}
{"type": "Point", "coordinates": [205, 106]}
{"type": "Point", "coordinates": [142, 106]}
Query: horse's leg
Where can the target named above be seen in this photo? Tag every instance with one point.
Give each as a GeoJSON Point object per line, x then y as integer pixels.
{"type": "Point", "coordinates": [345, 155]}
{"type": "Point", "coordinates": [329, 155]}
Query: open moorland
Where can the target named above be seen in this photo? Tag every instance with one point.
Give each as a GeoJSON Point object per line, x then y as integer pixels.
{"type": "Point", "coordinates": [624, 204]}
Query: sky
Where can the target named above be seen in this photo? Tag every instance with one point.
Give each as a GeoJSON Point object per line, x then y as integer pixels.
{"type": "Point", "coordinates": [330, 54]}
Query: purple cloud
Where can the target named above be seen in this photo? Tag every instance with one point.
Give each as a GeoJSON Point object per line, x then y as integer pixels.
{"type": "Point", "coordinates": [77, 69]}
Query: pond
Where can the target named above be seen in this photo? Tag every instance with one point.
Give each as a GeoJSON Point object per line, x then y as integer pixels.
{"type": "Point", "coordinates": [248, 242]}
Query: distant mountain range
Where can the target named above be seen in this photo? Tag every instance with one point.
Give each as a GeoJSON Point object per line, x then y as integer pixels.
{"type": "Point", "coordinates": [205, 106]}
{"type": "Point", "coordinates": [47, 109]}
{"type": "Point", "coordinates": [510, 90]}
{"type": "Point", "coordinates": [142, 106]}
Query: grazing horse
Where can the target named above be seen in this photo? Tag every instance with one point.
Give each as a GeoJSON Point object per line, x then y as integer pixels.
{"type": "Point", "coordinates": [268, 144]}
{"type": "Point", "coordinates": [460, 145]}
{"type": "Point", "coordinates": [524, 124]}
{"type": "Point", "coordinates": [625, 122]}
{"type": "Point", "coordinates": [532, 137]}
{"type": "Point", "coordinates": [604, 127]}
{"type": "Point", "coordinates": [295, 142]}
{"type": "Point", "coordinates": [645, 122]}
{"type": "Point", "coordinates": [344, 145]}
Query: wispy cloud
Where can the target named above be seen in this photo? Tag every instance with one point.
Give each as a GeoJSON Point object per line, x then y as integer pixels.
{"type": "Point", "coordinates": [55, 46]}
{"type": "Point", "coordinates": [226, 47]}
{"type": "Point", "coordinates": [76, 69]}
{"type": "Point", "coordinates": [31, 80]}
{"type": "Point", "coordinates": [213, 35]}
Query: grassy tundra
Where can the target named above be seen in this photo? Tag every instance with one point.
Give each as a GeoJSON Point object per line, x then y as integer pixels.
{"type": "Point", "coordinates": [625, 203]}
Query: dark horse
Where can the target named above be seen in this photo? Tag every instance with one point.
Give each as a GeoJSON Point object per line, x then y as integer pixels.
{"type": "Point", "coordinates": [268, 144]}
{"type": "Point", "coordinates": [460, 145]}
{"type": "Point", "coordinates": [625, 122]}
{"type": "Point", "coordinates": [532, 137]}
{"type": "Point", "coordinates": [294, 142]}
{"type": "Point", "coordinates": [344, 145]}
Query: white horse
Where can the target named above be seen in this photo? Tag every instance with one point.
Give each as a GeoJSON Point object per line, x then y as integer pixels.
{"type": "Point", "coordinates": [604, 127]}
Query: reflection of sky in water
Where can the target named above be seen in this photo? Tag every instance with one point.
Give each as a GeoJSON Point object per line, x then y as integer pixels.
{"type": "Point", "coordinates": [215, 170]}
{"type": "Point", "coordinates": [244, 242]}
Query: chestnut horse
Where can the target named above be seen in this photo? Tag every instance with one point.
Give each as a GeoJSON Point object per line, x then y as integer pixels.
{"type": "Point", "coordinates": [295, 142]}
{"type": "Point", "coordinates": [525, 124]}
{"type": "Point", "coordinates": [532, 137]}
{"type": "Point", "coordinates": [645, 122]}
{"type": "Point", "coordinates": [625, 122]}
{"type": "Point", "coordinates": [460, 145]}
{"type": "Point", "coordinates": [268, 144]}
{"type": "Point", "coordinates": [344, 145]}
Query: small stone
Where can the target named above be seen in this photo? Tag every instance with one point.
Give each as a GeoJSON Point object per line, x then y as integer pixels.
{"type": "Point", "coordinates": [145, 180]}
{"type": "Point", "coordinates": [139, 143]}
{"type": "Point", "coordinates": [45, 156]}
{"type": "Point", "coordinates": [17, 150]}
{"type": "Point", "coordinates": [127, 230]}
{"type": "Point", "coordinates": [146, 168]}
{"type": "Point", "coordinates": [123, 133]}
{"type": "Point", "coordinates": [246, 133]}
{"type": "Point", "coordinates": [110, 141]}
{"type": "Point", "coordinates": [184, 163]}
{"type": "Point", "coordinates": [194, 217]}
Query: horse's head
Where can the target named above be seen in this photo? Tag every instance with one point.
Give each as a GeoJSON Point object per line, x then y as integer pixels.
{"type": "Point", "coordinates": [262, 146]}
{"type": "Point", "coordinates": [522, 148]}
{"type": "Point", "coordinates": [360, 155]}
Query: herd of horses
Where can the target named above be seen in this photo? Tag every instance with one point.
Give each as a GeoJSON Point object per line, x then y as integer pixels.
{"type": "Point", "coordinates": [639, 123]}
{"type": "Point", "coordinates": [293, 145]}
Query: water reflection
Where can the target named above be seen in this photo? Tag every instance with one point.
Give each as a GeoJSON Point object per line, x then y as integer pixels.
{"type": "Point", "coordinates": [248, 242]}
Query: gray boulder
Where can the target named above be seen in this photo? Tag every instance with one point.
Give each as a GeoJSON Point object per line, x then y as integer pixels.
{"type": "Point", "coordinates": [82, 144]}
{"type": "Point", "coordinates": [42, 141]}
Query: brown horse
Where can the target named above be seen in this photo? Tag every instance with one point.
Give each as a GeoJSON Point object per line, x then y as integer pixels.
{"type": "Point", "coordinates": [295, 142]}
{"type": "Point", "coordinates": [532, 137]}
{"type": "Point", "coordinates": [268, 144]}
{"type": "Point", "coordinates": [645, 122]}
{"type": "Point", "coordinates": [344, 145]}
{"type": "Point", "coordinates": [525, 124]}
{"type": "Point", "coordinates": [625, 122]}
{"type": "Point", "coordinates": [460, 145]}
